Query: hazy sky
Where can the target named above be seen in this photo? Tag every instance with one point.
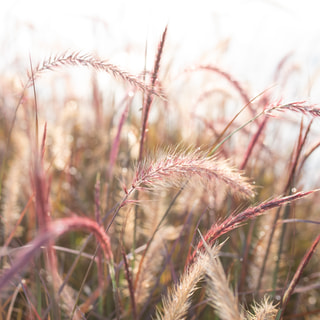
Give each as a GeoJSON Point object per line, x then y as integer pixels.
{"type": "Point", "coordinates": [254, 34]}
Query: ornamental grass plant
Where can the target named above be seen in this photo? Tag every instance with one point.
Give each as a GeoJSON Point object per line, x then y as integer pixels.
{"type": "Point", "coordinates": [156, 205]}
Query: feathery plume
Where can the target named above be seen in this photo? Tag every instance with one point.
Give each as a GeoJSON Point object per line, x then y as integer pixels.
{"type": "Point", "coordinates": [300, 107]}
{"type": "Point", "coordinates": [236, 220]}
{"type": "Point", "coordinates": [177, 301]}
{"type": "Point", "coordinates": [173, 169]}
{"type": "Point", "coordinates": [265, 310]}
{"type": "Point", "coordinates": [88, 60]}
{"type": "Point", "coordinates": [220, 295]}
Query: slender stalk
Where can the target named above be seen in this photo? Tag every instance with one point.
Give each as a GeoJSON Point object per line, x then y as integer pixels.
{"type": "Point", "coordinates": [156, 230]}
{"type": "Point", "coordinates": [130, 284]}
{"type": "Point", "coordinates": [297, 276]}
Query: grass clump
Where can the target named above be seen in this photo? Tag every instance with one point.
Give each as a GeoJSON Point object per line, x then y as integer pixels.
{"type": "Point", "coordinates": [96, 224]}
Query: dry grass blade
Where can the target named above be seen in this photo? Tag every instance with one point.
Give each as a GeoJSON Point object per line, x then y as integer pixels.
{"type": "Point", "coordinates": [116, 142]}
{"type": "Point", "coordinates": [253, 142]}
{"type": "Point", "coordinates": [298, 275]}
{"type": "Point", "coordinates": [129, 281]}
{"type": "Point", "coordinates": [173, 169]}
{"type": "Point", "coordinates": [55, 230]}
{"type": "Point", "coordinates": [230, 79]}
{"type": "Point", "coordinates": [87, 60]}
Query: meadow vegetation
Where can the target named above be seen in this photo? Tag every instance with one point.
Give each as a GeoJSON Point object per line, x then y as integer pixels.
{"type": "Point", "coordinates": [155, 205]}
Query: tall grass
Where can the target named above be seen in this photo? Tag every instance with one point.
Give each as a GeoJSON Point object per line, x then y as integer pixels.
{"type": "Point", "coordinates": [133, 217]}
